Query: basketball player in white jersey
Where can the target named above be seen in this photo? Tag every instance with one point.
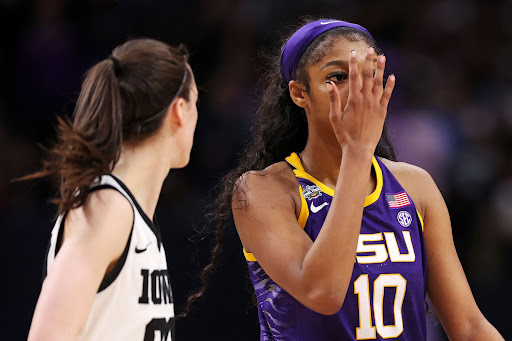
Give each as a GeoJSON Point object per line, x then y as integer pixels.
{"type": "Point", "coordinates": [106, 271]}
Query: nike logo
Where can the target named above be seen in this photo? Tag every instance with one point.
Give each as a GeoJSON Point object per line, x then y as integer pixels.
{"type": "Point", "coordinates": [315, 209]}
{"type": "Point", "coordinates": [137, 250]}
{"type": "Point", "coordinates": [328, 22]}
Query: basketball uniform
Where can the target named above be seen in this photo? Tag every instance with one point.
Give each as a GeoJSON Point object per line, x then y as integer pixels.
{"type": "Point", "coordinates": [134, 300]}
{"type": "Point", "coordinates": [386, 295]}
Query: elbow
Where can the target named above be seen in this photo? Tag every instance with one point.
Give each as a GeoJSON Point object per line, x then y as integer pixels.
{"type": "Point", "coordinates": [325, 302]}
{"type": "Point", "coordinates": [476, 328]}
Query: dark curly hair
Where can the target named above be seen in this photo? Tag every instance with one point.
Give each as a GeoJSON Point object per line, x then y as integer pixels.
{"type": "Point", "coordinates": [280, 128]}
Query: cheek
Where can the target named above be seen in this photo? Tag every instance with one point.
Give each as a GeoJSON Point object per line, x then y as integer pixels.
{"type": "Point", "coordinates": [321, 102]}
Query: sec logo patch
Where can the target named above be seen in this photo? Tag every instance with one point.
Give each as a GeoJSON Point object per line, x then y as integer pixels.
{"type": "Point", "coordinates": [404, 218]}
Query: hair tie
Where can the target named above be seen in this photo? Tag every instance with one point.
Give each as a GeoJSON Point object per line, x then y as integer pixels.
{"type": "Point", "coordinates": [117, 66]}
{"type": "Point", "coordinates": [300, 40]}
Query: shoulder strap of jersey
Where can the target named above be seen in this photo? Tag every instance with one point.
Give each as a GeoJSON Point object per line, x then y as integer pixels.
{"type": "Point", "coordinates": [294, 161]}
{"type": "Point", "coordinates": [113, 180]}
{"type": "Point", "coordinates": [112, 275]}
{"type": "Point", "coordinates": [296, 165]}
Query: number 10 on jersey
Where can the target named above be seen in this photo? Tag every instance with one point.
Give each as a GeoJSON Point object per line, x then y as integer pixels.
{"type": "Point", "coordinates": [366, 331]}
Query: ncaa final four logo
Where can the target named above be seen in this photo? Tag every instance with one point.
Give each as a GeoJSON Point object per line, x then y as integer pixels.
{"type": "Point", "coordinates": [311, 192]}
{"type": "Point", "coordinates": [404, 218]}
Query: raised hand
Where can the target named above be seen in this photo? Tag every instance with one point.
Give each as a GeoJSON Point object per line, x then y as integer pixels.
{"type": "Point", "coordinates": [360, 123]}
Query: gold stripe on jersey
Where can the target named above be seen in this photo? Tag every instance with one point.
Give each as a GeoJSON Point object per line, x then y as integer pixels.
{"type": "Point", "coordinates": [303, 218]}
{"type": "Point", "coordinates": [421, 219]}
{"type": "Point", "coordinates": [304, 210]}
{"type": "Point", "coordinates": [299, 171]}
{"type": "Point", "coordinates": [249, 256]}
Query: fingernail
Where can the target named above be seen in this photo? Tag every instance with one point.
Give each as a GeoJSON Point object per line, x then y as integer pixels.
{"type": "Point", "coordinates": [329, 86]}
{"type": "Point", "coordinates": [392, 77]}
{"type": "Point", "coordinates": [371, 50]}
{"type": "Point", "coordinates": [353, 53]}
{"type": "Point", "coordinates": [382, 58]}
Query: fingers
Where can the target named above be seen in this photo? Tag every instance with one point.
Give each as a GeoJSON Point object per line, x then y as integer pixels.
{"type": "Point", "coordinates": [368, 71]}
{"type": "Point", "coordinates": [379, 75]}
{"type": "Point", "coordinates": [353, 74]}
{"type": "Point", "coordinates": [386, 95]}
{"type": "Point", "coordinates": [372, 86]}
{"type": "Point", "coordinates": [335, 100]}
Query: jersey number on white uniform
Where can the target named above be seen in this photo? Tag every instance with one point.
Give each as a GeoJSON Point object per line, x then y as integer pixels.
{"type": "Point", "coordinates": [159, 325]}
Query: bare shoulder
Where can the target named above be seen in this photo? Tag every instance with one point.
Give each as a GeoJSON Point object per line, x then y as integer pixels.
{"type": "Point", "coordinates": [406, 171]}
{"type": "Point", "coordinates": [105, 218]}
{"type": "Point", "coordinates": [275, 180]}
{"type": "Point", "coordinates": [415, 180]}
{"type": "Point", "coordinates": [263, 199]}
{"type": "Point", "coordinates": [107, 205]}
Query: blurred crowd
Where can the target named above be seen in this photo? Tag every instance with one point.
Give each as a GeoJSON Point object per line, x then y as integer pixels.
{"type": "Point", "coordinates": [451, 114]}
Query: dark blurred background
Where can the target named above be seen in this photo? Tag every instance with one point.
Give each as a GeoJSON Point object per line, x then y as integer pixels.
{"type": "Point", "coordinates": [451, 114]}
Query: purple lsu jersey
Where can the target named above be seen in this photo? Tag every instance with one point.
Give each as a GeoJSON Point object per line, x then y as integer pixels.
{"type": "Point", "coordinates": [386, 295]}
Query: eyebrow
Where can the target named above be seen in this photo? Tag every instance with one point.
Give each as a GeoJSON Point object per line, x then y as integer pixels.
{"type": "Point", "coordinates": [336, 62]}
{"type": "Point", "coordinates": [342, 63]}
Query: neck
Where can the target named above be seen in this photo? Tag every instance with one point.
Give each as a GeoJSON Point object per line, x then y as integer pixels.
{"type": "Point", "coordinates": [322, 159]}
{"type": "Point", "coordinates": [143, 169]}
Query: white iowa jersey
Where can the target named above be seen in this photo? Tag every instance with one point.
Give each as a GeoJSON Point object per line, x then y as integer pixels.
{"type": "Point", "coordinates": [134, 301]}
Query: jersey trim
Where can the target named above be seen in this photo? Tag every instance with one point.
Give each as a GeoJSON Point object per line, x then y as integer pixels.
{"type": "Point", "coordinates": [304, 210]}
{"type": "Point", "coordinates": [299, 171]}
{"type": "Point", "coordinates": [249, 256]}
{"type": "Point", "coordinates": [152, 225]}
{"type": "Point", "coordinates": [294, 161]}
{"type": "Point", "coordinates": [303, 218]}
{"type": "Point", "coordinates": [421, 219]}
{"type": "Point", "coordinates": [45, 265]}
{"type": "Point", "coordinates": [114, 273]}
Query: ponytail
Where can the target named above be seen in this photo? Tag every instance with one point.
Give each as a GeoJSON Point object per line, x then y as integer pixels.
{"type": "Point", "coordinates": [124, 97]}
{"type": "Point", "coordinates": [91, 145]}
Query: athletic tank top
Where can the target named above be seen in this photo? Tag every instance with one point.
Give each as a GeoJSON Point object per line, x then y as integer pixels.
{"type": "Point", "coordinates": [134, 301]}
{"type": "Point", "coordinates": [386, 295]}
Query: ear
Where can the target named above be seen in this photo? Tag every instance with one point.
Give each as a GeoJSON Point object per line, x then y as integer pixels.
{"type": "Point", "coordinates": [297, 90]}
{"type": "Point", "coordinates": [176, 112]}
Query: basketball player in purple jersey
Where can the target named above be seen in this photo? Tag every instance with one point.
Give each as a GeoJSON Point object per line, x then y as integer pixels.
{"type": "Point", "coordinates": [342, 243]}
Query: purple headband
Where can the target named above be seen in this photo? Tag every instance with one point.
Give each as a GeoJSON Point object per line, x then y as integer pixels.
{"type": "Point", "coordinates": [300, 40]}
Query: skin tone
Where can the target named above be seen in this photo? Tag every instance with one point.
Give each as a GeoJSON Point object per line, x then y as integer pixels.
{"type": "Point", "coordinates": [104, 222]}
{"type": "Point", "coordinates": [346, 107]}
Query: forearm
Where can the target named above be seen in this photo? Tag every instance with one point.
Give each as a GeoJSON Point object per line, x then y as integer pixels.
{"type": "Point", "coordinates": [331, 258]}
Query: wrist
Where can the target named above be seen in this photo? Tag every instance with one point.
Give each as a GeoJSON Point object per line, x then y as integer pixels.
{"type": "Point", "coordinates": [357, 153]}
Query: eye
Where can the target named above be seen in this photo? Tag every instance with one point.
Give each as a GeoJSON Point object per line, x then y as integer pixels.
{"type": "Point", "coordinates": [338, 76]}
